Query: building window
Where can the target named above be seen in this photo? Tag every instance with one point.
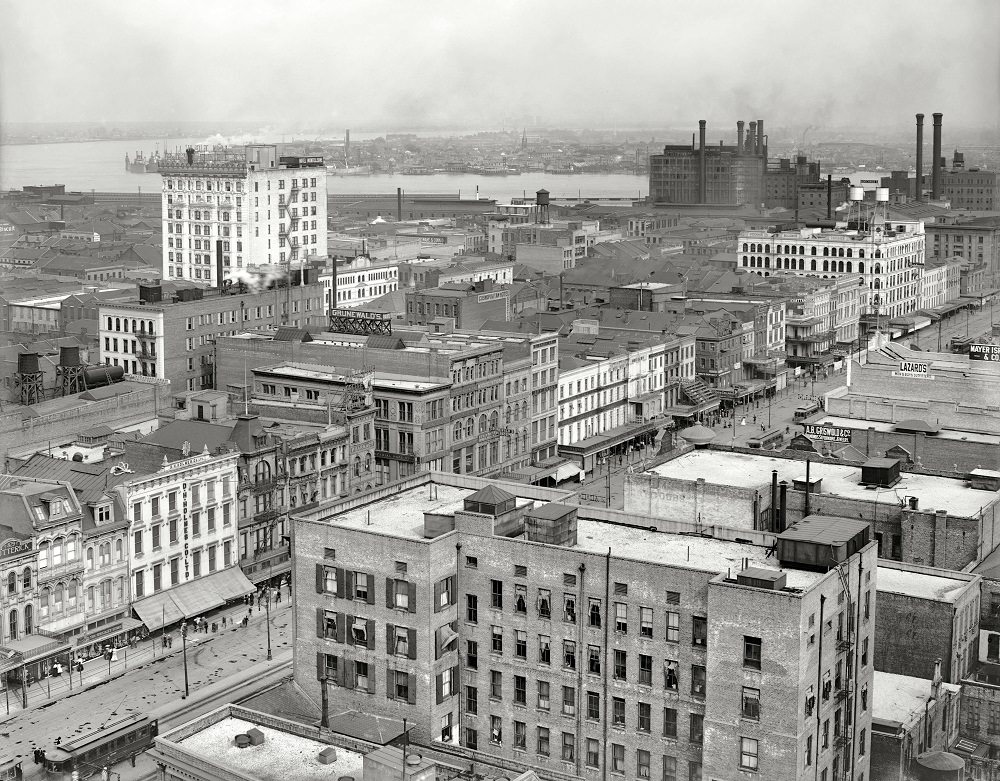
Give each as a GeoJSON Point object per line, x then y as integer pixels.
{"type": "Point", "coordinates": [670, 722]}
{"type": "Point", "coordinates": [472, 654]}
{"type": "Point", "coordinates": [520, 690]}
{"type": "Point", "coordinates": [496, 594]}
{"type": "Point", "coordinates": [646, 621]}
{"type": "Point", "coordinates": [543, 741]}
{"type": "Point", "coordinates": [569, 654]}
{"type": "Point", "coordinates": [543, 695]}
{"type": "Point", "coordinates": [697, 680]}
{"type": "Point", "coordinates": [751, 652]}
{"type": "Point", "coordinates": [471, 608]}
{"type": "Point", "coordinates": [593, 706]}
{"type": "Point", "coordinates": [645, 718]}
{"type": "Point", "coordinates": [569, 701]}
{"type": "Point", "coordinates": [471, 700]}
{"type": "Point", "coordinates": [671, 679]}
{"type": "Point", "coordinates": [620, 665]}
{"type": "Point", "coordinates": [618, 711]}
{"type": "Point", "coordinates": [748, 754]}
{"type": "Point", "coordinates": [496, 645]}
{"type": "Point", "coordinates": [673, 627]}
{"type": "Point", "coordinates": [520, 735]}
{"type": "Point", "coordinates": [595, 613]}
{"type": "Point", "coordinates": [496, 685]}
{"type": "Point", "coordinates": [621, 617]}
{"type": "Point", "coordinates": [593, 753]}
{"type": "Point", "coordinates": [520, 644]}
{"type": "Point", "coordinates": [699, 631]}
{"type": "Point", "coordinates": [669, 768]}
{"type": "Point", "coordinates": [696, 728]}
{"type": "Point", "coordinates": [617, 758]}
{"type": "Point", "coordinates": [642, 763]}
{"type": "Point", "coordinates": [544, 649]}
{"type": "Point", "coordinates": [751, 703]}
{"type": "Point", "coordinates": [496, 730]}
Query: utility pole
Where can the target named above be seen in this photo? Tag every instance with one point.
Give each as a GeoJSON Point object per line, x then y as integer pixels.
{"type": "Point", "coordinates": [267, 610]}
{"type": "Point", "coordinates": [184, 647]}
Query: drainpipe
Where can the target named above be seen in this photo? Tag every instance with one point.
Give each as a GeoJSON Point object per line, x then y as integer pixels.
{"type": "Point", "coordinates": [456, 684]}
{"type": "Point", "coordinates": [857, 646]}
{"type": "Point", "coordinates": [819, 681]}
{"type": "Point", "coordinates": [806, 512]}
{"type": "Point", "coordinates": [604, 670]}
{"type": "Point", "coordinates": [579, 671]}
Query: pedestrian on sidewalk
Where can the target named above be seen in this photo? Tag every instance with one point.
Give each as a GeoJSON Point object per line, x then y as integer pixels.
{"type": "Point", "coordinates": [277, 597]}
{"type": "Point", "coordinates": [223, 621]}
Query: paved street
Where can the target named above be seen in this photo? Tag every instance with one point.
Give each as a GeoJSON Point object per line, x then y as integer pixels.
{"type": "Point", "coordinates": [160, 680]}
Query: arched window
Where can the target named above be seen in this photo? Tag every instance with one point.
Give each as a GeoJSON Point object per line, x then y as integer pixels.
{"type": "Point", "coordinates": [812, 264]}
{"type": "Point", "coordinates": [120, 590]}
{"type": "Point", "coordinates": [767, 248]}
{"type": "Point", "coordinates": [110, 324]}
{"type": "Point", "coordinates": [861, 253]}
{"type": "Point", "coordinates": [507, 411]}
{"type": "Point", "coordinates": [43, 601]}
{"type": "Point", "coordinates": [12, 624]}
{"type": "Point", "coordinates": [90, 598]}
{"type": "Point", "coordinates": [262, 470]}
{"type": "Point", "coordinates": [850, 252]}
{"type": "Point", "coordinates": [26, 578]}
{"type": "Point", "coordinates": [119, 550]}
{"type": "Point", "coordinates": [457, 433]}
{"type": "Point", "coordinates": [802, 264]}
{"type": "Point", "coordinates": [744, 263]}
{"type": "Point", "coordinates": [524, 410]}
{"type": "Point", "coordinates": [767, 263]}
{"type": "Point", "coordinates": [43, 554]}
{"type": "Point", "coordinates": [794, 250]}
{"type": "Point", "coordinates": [878, 268]}
{"type": "Point", "coordinates": [826, 265]}
{"type": "Point", "coordinates": [118, 324]}
{"type": "Point", "coordinates": [878, 253]}
{"type": "Point", "coordinates": [12, 583]}
{"type": "Point", "coordinates": [29, 619]}
{"type": "Point", "coordinates": [71, 547]}
{"type": "Point", "coordinates": [878, 283]}
{"type": "Point", "coordinates": [73, 594]}
{"type": "Point", "coordinates": [368, 462]}
{"type": "Point", "coordinates": [357, 466]}
{"type": "Point", "coordinates": [802, 250]}
{"type": "Point", "coordinates": [89, 557]}
{"type": "Point", "coordinates": [494, 420]}
{"type": "Point", "coordinates": [470, 427]}
{"type": "Point", "coordinates": [850, 266]}
{"type": "Point", "coordinates": [861, 267]}
{"type": "Point", "coordinates": [826, 252]}
{"type": "Point", "coordinates": [57, 551]}
{"type": "Point", "coordinates": [744, 246]}
{"type": "Point", "coordinates": [59, 592]}
{"type": "Point", "coordinates": [840, 265]}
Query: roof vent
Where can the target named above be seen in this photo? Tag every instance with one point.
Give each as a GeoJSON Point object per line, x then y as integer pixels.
{"type": "Point", "coordinates": [880, 472]}
{"type": "Point", "coordinates": [771, 579]}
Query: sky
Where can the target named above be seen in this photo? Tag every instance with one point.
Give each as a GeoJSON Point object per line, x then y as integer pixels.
{"type": "Point", "coordinates": [457, 64]}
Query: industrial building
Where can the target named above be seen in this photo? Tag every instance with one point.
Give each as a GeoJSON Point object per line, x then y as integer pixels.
{"type": "Point", "coordinates": [504, 625]}
{"type": "Point", "coordinates": [228, 209]}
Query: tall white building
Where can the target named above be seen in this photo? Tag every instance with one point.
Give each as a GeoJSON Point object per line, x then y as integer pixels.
{"type": "Point", "coordinates": [227, 209]}
{"type": "Point", "coordinates": [887, 253]}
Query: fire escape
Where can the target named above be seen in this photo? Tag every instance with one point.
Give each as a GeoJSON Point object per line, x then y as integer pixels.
{"type": "Point", "coordinates": [145, 350]}
{"type": "Point", "coordinates": [844, 688]}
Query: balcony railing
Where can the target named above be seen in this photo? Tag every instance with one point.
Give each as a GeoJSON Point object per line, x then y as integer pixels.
{"type": "Point", "coordinates": [266, 516]}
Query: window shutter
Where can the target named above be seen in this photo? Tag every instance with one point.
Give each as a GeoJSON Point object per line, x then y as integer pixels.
{"type": "Point", "coordinates": [437, 689]}
{"type": "Point", "coordinates": [454, 679]}
{"type": "Point", "coordinates": [341, 583]}
{"type": "Point", "coordinates": [437, 643]}
{"type": "Point", "coordinates": [389, 675]}
{"type": "Point", "coordinates": [390, 593]}
{"type": "Point", "coordinates": [438, 588]}
{"type": "Point", "coordinates": [370, 634]}
{"type": "Point", "coordinates": [342, 619]}
{"type": "Point", "coordinates": [371, 678]}
{"type": "Point", "coordinates": [349, 585]}
{"type": "Point", "coordinates": [320, 578]}
{"type": "Point", "coordinates": [320, 666]}
{"type": "Point", "coordinates": [411, 642]}
{"type": "Point", "coordinates": [348, 673]}
{"type": "Point", "coordinates": [390, 636]}
{"type": "Point", "coordinates": [411, 688]}
{"type": "Point", "coordinates": [412, 601]}
{"type": "Point", "coordinates": [371, 588]}
{"type": "Point", "coordinates": [338, 671]}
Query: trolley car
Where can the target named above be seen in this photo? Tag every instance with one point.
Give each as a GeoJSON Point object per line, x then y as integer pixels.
{"type": "Point", "coordinates": [10, 769]}
{"type": "Point", "coordinates": [105, 746]}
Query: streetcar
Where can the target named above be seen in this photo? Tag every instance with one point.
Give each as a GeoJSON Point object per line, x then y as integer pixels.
{"type": "Point", "coordinates": [767, 440]}
{"type": "Point", "coordinates": [104, 746]}
{"type": "Point", "coordinates": [10, 769]}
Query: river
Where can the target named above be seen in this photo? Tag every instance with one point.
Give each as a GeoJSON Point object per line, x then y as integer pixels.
{"type": "Point", "coordinates": [100, 165]}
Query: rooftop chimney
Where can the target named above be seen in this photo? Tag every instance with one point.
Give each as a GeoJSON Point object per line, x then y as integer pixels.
{"type": "Point", "coordinates": [936, 158]}
{"type": "Point", "coordinates": [702, 163]}
{"type": "Point", "coordinates": [190, 155]}
{"type": "Point", "coordinates": [739, 135]}
{"type": "Point", "coordinates": [920, 157]}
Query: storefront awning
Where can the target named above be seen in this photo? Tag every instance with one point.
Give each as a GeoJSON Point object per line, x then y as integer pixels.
{"type": "Point", "coordinates": [193, 598]}
{"type": "Point", "coordinates": [107, 632]}
{"type": "Point", "coordinates": [568, 471]}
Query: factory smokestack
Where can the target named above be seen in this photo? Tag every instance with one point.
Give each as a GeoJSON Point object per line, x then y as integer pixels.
{"type": "Point", "coordinates": [760, 136]}
{"type": "Point", "coordinates": [920, 157]}
{"type": "Point", "coordinates": [739, 135]}
{"type": "Point", "coordinates": [752, 137]}
{"type": "Point", "coordinates": [936, 158]}
{"type": "Point", "coordinates": [702, 163]}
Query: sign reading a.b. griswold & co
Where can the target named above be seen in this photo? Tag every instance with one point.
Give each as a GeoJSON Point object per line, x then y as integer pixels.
{"type": "Point", "coordinates": [818, 432]}
{"type": "Point", "coordinates": [917, 370]}
{"type": "Point", "coordinates": [984, 352]}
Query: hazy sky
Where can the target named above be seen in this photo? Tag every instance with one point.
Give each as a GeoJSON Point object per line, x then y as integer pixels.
{"type": "Point", "coordinates": [393, 63]}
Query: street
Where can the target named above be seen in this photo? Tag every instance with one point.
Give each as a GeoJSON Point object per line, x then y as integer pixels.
{"type": "Point", "coordinates": [210, 658]}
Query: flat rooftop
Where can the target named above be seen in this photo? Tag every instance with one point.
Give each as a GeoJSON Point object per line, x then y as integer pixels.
{"type": "Point", "coordinates": [293, 371]}
{"type": "Point", "coordinates": [919, 584]}
{"type": "Point", "coordinates": [744, 470]}
{"type": "Point", "coordinates": [901, 699]}
{"type": "Point", "coordinates": [678, 550]}
{"type": "Point", "coordinates": [281, 757]}
{"type": "Point", "coordinates": [402, 514]}
{"type": "Point", "coordinates": [882, 425]}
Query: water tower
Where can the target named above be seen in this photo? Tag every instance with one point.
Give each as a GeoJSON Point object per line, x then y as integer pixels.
{"type": "Point", "coordinates": [28, 378]}
{"type": "Point", "coordinates": [69, 374]}
{"type": "Point", "coordinates": [542, 202]}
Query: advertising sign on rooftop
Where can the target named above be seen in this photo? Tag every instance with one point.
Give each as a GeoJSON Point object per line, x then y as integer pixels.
{"type": "Point", "coordinates": [984, 352]}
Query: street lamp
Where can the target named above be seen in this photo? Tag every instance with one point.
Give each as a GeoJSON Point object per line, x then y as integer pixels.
{"type": "Point", "coordinates": [267, 620]}
{"type": "Point", "coordinates": [185, 654]}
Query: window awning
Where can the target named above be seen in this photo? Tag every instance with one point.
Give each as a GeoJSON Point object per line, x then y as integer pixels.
{"type": "Point", "coordinates": [193, 598]}
{"type": "Point", "coordinates": [567, 471]}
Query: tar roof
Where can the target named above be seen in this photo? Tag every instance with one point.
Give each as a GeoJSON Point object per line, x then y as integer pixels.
{"type": "Point", "coordinates": [923, 585]}
{"type": "Point", "coordinates": [752, 471]}
{"type": "Point", "coordinates": [901, 699]}
{"type": "Point", "coordinates": [676, 550]}
{"type": "Point", "coordinates": [824, 529]}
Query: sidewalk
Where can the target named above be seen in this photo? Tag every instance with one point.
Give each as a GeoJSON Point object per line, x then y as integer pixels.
{"type": "Point", "coordinates": [99, 670]}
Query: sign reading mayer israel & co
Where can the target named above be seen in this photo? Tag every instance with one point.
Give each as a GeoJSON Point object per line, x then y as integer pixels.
{"type": "Point", "coordinates": [984, 352]}
{"type": "Point", "coordinates": [821, 433]}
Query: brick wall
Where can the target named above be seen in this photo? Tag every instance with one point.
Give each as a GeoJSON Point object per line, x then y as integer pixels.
{"type": "Point", "coordinates": [695, 501]}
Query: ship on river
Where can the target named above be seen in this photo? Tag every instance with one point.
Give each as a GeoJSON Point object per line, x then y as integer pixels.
{"type": "Point", "coordinates": [141, 164]}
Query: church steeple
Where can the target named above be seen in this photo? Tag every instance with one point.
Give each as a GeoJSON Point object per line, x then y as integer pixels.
{"type": "Point", "coordinates": [524, 139]}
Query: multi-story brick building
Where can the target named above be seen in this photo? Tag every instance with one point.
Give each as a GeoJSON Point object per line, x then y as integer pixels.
{"type": "Point", "coordinates": [227, 209]}
{"type": "Point", "coordinates": [172, 334]}
{"type": "Point", "coordinates": [358, 282]}
{"type": "Point", "coordinates": [708, 174]}
{"type": "Point", "coordinates": [783, 180]}
{"type": "Point", "coordinates": [889, 257]}
{"type": "Point", "coordinates": [975, 239]}
{"type": "Point", "coordinates": [507, 626]}
{"type": "Point", "coordinates": [973, 189]}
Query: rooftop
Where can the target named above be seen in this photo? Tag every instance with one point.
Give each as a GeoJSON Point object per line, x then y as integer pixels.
{"type": "Point", "coordinates": [281, 757]}
{"type": "Point", "coordinates": [677, 550]}
{"type": "Point", "coordinates": [752, 471]}
{"type": "Point", "coordinates": [923, 585]}
{"type": "Point", "coordinates": [882, 425]}
{"type": "Point", "coordinates": [902, 699]}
